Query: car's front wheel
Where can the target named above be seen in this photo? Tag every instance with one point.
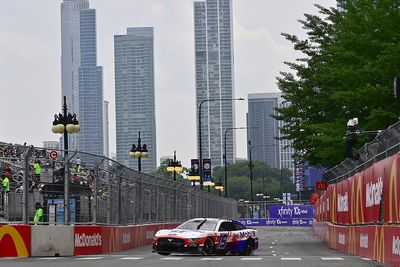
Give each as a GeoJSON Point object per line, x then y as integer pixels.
{"type": "Point", "coordinates": [249, 248]}
{"type": "Point", "coordinates": [208, 247]}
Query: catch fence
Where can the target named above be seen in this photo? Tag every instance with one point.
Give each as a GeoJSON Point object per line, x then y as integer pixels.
{"type": "Point", "coordinates": [83, 188]}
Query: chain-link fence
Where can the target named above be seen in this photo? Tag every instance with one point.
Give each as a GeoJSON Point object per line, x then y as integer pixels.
{"type": "Point", "coordinates": [81, 188]}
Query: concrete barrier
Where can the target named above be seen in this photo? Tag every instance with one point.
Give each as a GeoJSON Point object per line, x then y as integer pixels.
{"type": "Point", "coordinates": [47, 240]}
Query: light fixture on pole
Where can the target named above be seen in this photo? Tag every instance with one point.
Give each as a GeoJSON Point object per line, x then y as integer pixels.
{"type": "Point", "coordinates": [199, 126]}
{"type": "Point", "coordinates": [140, 151]}
{"type": "Point", "coordinates": [174, 166]}
{"type": "Point", "coordinates": [63, 124]}
{"type": "Point", "coordinates": [220, 187]}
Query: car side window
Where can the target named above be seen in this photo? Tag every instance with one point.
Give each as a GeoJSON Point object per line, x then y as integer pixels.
{"type": "Point", "coordinates": [238, 226]}
{"type": "Point", "coordinates": [226, 226]}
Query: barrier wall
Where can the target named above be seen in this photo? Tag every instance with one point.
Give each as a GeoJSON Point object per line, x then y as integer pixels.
{"type": "Point", "coordinates": [47, 240]}
{"type": "Point", "coordinates": [378, 242]}
{"type": "Point", "coordinates": [368, 197]}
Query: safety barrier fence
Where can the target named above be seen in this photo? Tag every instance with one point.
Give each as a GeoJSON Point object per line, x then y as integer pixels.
{"type": "Point", "coordinates": [83, 188]}
{"type": "Point", "coordinates": [68, 240]}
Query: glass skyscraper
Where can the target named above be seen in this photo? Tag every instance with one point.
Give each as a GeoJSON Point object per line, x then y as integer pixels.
{"type": "Point", "coordinates": [82, 79]}
{"type": "Point", "coordinates": [263, 131]}
{"type": "Point", "coordinates": [215, 77]}
{"type": "Point", "coordinates": [134, 95]}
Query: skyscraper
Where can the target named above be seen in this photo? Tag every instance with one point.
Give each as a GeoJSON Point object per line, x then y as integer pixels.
{"type": "Point", "coordinates": [82, 79]}
{"type": "Point", "coordinates": [215, 77]}
{"type": "Point", "coordinates": [263, 131]}
{"type": "Point", "coordinates": [134, 95]}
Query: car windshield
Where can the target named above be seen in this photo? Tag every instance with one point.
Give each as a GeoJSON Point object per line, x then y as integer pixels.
{"type": "Point", "coordinates": [199, 224]}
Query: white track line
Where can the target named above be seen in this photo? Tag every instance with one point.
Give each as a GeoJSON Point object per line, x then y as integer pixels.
{"type": "Point", "coordinates": [331, 258]}
{"type": "Point", "coordinates": [211, 259]}
{"type": "Point", "coordinates": [131, 258]}
{"type": "Point", "coordinates": [171, 259]}
{"type": "Point", "coordinates": [251, 259]}
{"type": "Point", "coordinates": [90, 258]}
{"type": "Point", "coordinates": [290, 259]}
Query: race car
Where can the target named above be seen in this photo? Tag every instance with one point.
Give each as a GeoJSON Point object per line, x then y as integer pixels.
{"type": "Point", "coordinates": [207, 236]}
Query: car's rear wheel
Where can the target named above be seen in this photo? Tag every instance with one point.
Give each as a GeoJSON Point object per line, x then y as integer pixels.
{"type": "Point", "coordinates": [164, 253]}
{"type": "Point", "coordinates": [208, 247]}
{"type": "Point", "coordinates": [249, 248]}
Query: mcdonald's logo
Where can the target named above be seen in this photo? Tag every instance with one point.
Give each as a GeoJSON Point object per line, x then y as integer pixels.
{"type": "Point", "coordinates": [18, 240]}
{"type": "Point", "coordinates": [356, 201]}
{"type": "Point", "coordinates": [379, 244]}
{"type": "Point", "coordinates": [352, 241]}
{"type": "Point", "coordinates": [114, 241]}
{"type": "Point", "coordinates": [393, 193]}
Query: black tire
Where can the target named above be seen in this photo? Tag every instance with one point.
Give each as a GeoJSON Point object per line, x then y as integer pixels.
{"type": "Point", "coordinates": [164, 253]}
{"type": "Point", "coordinates": [249, 248]}
{"type": "Point", "coordinates": [208, 248]}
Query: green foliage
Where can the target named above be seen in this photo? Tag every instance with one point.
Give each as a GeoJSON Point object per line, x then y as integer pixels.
{"type": "Point", "coordinates": [350, 61]}
{"type": "Point", "coordinates": [266, 180]}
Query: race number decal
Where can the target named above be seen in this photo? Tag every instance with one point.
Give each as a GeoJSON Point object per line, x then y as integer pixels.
{"type": "Point", "coordinates": [223, 240]}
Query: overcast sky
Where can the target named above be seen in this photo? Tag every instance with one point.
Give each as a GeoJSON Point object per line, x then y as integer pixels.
{"type": "Point", "coordinates": [30, 66]}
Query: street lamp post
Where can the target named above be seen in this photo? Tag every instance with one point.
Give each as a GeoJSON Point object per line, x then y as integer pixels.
{"type": "Point", "coordinates": [225, 157]}
{"type": "Point", "coordinates": [174, 166]}
{"type": "Point", "coordinates": [63, 124]}
{"type": "Point", "coordinates": [140, 151]}
{"type": "Point", "coordinates": [200, 142]}
{"type": "Point", "coordinates": [251, 173]}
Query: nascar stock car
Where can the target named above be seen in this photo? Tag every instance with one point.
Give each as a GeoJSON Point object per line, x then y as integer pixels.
{"type": "Point", "coordinates": [207, 236]}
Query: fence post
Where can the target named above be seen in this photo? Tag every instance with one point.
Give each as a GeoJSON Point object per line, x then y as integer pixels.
{"type": "Point", "coordinates": [119, 181]}
{"type": "Point", "coordinates": [26, 186]}
{"type": "Point", "coordinates": [109, 200]}
{"type": "Point", "coordinates": [95, 189]}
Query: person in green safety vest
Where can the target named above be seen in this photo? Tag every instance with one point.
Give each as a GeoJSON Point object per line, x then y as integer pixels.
{"type": "Point", "coordinates": [39, 213]}
{"type": "Point", "coordinates": [6, 184]}
{"type": "Point", "coordinates": [38, 171]}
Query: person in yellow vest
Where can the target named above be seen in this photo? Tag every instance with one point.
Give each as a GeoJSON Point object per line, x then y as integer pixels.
{"type": "Point", "coordinates": [6, 184]}
{"type": "Point", "coordinates": [39, 213]}
{"type": "Point", "coordinates": [38, 171]}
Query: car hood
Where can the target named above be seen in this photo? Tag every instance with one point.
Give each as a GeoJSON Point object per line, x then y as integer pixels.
{"type": "Point", "coordinates": [182, 233]}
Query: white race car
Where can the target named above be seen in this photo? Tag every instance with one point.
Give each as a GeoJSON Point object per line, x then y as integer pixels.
{"type": "Point", "coordinates": [207, 236]}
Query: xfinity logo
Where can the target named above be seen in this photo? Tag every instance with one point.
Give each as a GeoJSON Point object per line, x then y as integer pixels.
{"type": "Point", "coordinates": [396, 245]}
{"type": "Point", "coordinates": [364, 241]}
{"type": "Point", "coordinates": [342, 239]}
{"type": "Point", "coordinates": [373, 193]}
{"type": "Point", "coordinates": [343, 203]}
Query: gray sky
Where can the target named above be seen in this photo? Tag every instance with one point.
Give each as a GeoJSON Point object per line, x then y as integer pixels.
{"type": "Point", "coordinates": [30, 68]}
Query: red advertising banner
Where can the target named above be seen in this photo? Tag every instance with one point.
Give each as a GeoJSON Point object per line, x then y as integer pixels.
{"type": "Point", "coordinates": [15, 240]}
{"type": "Point", "coordinates": [109, 239]}
{"type": "Point", "coordinates": [391, 188]}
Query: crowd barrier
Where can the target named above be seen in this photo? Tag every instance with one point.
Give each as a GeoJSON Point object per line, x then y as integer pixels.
{"type": "Point", "coordinates": [39, 240]}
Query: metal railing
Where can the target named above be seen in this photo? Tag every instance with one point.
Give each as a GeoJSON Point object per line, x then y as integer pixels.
{"type": "Point", "coordinates": [89, 189]}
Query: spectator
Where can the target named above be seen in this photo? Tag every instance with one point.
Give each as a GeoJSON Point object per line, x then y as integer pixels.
{"type": "Point", "coordinates": [78, 165]}
{"type": "Point", "coordinates": [6, 184]}
{"type": "Point", "coordinates": [39, 213]}
{"type": "Point", "coordinates": [38, 171]}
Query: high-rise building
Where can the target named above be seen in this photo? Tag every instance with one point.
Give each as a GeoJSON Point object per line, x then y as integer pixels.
{"type": "Point", "coordinates": [134, 95]}
{"type": "Point", "coordinates": [263, 131]}
{"type": "Point", "coordinates": [82, 79]}
{"type": "Point", "coordinates": [215, 77]}
{"type": "Point", "coordinates": [106, 127]}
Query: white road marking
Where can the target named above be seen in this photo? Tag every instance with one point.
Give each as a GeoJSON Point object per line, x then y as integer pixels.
{"type": "Point", "coordinates": [290, 259]}
{"type": "Point", "coordinates": [273, 251]}
{"type": "Point", "coordinates": [271, 247]}
{"type": "Point", "coordinates": [251, 259]}
{"type": "Point", "coordinates": [274, 255]}
{"type": "Point", "coordinates": [50, 258]}
{"type": "Point", "coordinates": [273, 243]}
{"type": "Point", "coordinates": [331, 258]}
{"type": "Point", "coordinates": [90, 258]}
{"type": "Point", "coordinates": [131, 258]}
{"type": "Point", "coordinates": [171, 259]}
{"type": "Point", "coordinates": [211, 259]}
{"type": "Point", "coordinates": [366, 259]}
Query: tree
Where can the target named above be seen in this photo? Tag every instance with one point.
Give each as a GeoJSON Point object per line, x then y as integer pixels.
{"type": "Point", "coordinates": [266, 180]}
{"type": "Point", "coordinates": [350, 61]}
